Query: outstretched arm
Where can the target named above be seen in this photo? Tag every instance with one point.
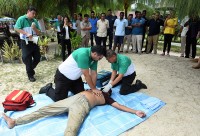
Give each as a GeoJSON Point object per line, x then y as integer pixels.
{"type": "Point", "coordinates": [126, 109]}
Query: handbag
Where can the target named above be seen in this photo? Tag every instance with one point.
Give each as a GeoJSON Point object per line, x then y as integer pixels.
{"type": "Point", "coordinates": [18, 100]}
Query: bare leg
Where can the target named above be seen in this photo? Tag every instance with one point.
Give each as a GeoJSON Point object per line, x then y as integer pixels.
{"type": "Point", "coordinates": [9, 121]}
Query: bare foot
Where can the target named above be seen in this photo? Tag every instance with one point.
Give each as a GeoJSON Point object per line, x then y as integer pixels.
{"type": "Point", "coordinates": [9, 121]}
{"type": "Point", "coordinates": [195, 60]}
{"type": "Point", "coordinates": [196, 66]}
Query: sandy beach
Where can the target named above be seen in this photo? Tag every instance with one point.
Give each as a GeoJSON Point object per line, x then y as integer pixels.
{"type": "Point", "coordinates": [170, 79]}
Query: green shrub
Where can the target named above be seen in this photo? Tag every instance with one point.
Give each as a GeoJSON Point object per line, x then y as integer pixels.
{"type": "Point", "coordinates": [12, 52]}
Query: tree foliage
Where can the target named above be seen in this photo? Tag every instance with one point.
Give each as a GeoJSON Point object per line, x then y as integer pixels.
{"type": "Point", "coordinates": [15, 8]}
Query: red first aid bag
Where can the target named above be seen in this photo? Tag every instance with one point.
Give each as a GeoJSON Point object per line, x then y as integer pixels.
{"type": "Point", "coordinates": [18, 100]}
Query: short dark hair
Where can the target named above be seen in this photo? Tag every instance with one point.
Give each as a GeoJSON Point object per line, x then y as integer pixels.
{"type": "Point", "coordinates": [80, 14]}
{"type": "Point", "coordinates": [31, 8]}
{"type": "Point", "coordinates": [110, 53]}
{"type": "Point", "coordinates": [86, 15]}
{"type": "Point", "coordinates": [100, 50]}
{"type": "Point", "coordinates": [137, 12]}
{"type": "Point", "coordinates": [92, 11]}
{"type": "Point", "coordinates": [145, 11]}
{"type": "Point", "coordinates": [109, 10]}
{"type": "Point", "coordinates": [122, 13]}
{"type": "Point", "coordinates": [103, 14]}
{"type": "Point", "coordinates": [130, 15]}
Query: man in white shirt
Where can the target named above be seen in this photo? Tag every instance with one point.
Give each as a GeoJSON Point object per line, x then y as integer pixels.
{"type": "Point", "coordinates": [120, 25]}
{"type": "Point", "coordinates": [102, 26]}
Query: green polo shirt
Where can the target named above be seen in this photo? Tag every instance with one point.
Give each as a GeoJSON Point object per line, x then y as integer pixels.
{"type": "Point", "coordinates": [25, 24]}
{"type": "Point", "coordinates": [122, 64]}
{"type": "Point", "coordinates": [82, 56]}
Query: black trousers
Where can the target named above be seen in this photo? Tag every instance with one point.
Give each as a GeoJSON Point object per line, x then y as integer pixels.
{"type": "Point", "coordinates": [65, 42]}
{"type": "Point", "coordinates": [63, 86]}
{"type": "Point", "coordinates": [167, 41]}
{"type": "Point", "coordinates": [110, 35]}
{"type": "Point", "coordinates": [189, 41]}
{"type": "Point", "coordinates": [127, 87]}
{"type": "Point", "coordinates": [93, 35]}
{"type": "Point", "coordinates": [30, 56]}
{"type": "Point", "coordinates": [59, 37]}
{"type": "Point", "coordinates": [100, 40]}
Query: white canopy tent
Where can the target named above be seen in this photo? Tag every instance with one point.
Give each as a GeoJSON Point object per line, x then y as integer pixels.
{"type": "Point", "coordinates": [3, 19]}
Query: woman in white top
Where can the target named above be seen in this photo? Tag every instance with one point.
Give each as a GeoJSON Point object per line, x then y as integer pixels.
{"type": "Point", "coordinates": [67, 27]}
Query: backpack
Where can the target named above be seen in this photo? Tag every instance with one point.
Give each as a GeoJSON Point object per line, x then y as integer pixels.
{"type": "Point", "coordinates": [18, 100]}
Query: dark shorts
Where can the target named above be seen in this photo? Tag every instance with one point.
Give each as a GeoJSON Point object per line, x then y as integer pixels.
{"type": "Point", "coordinates": [119, 40]}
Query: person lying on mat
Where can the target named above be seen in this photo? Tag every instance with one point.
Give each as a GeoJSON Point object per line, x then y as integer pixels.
{"type": "Point", "coordinates": [77, 106]}
{"type": "Point", "coordinates": [122, 65]}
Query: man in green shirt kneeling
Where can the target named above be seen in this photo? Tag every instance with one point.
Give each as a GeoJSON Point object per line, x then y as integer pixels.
{"type": "Point", "coordinates": [82, 61]}
{"type": "Point", "coordinates": [124, 73]}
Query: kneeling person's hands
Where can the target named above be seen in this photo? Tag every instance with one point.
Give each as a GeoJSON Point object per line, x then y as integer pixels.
{"type": "Point", "coordinates": [97, 92]}
{"type": "Point", "coordinates": [107, 87]}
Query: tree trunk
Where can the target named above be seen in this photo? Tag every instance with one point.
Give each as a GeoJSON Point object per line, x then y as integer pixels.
{"type": "Point", "coordinates": [126, 7]}
{"type": "Point", "coordinates": [91, 5]}
{"type": "Point", "coordinates": [72, 5]}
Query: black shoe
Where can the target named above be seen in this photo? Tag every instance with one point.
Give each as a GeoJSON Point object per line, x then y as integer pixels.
{"type": "Point", "coordinates": [45, 88]}
{"type": "Point", "coordinates": [142, 85]}
{"type": "Point", "coordinates": [32, 79]}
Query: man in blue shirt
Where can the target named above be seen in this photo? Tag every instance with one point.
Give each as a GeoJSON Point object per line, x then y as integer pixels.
{"type": "Point", "coordinates": [128, 32]}
{"type": "Point", "coordinates": [137, 32]}
{"type": "Point", "coordinates": [93, 32]}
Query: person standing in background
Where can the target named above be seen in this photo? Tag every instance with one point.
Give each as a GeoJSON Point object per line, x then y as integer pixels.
{"type": "Point", "coordinates": [120, 25]}
{"type": "Point", "coordinates": [74, 18]}
{"type": "Point", "coordinates": [137, 32]}
{"type": "Point", "coordinates": [102, 26]}
{"type": "Point", "coordinates": [111, 20]}
{"type": "Point", "coordinates": [85, 30]}
{"type": "Point", "coordinates": [169, 31]}
{"type": "Point", "coordinates": [144, 12]}
{"type": "Point", "coordinates": [192, 35]}
{"type": "Point", "coordinates": [128, 31]}
{"type": "Point", "coordinates": [78, 24]}
{"type": "Point", "coordinates": [58, 25]}
{"type": "Point", "coordinates": [182, 32]}
{"type": "Point", "coordinates": [67, 27]}
{"type": "Point", "coordinates": [93, 32]}
{"type": "Point", "coordinates": [154, 31]}
{"type": "Point", "coordinates": [28, 28]}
